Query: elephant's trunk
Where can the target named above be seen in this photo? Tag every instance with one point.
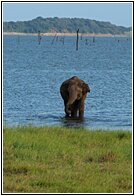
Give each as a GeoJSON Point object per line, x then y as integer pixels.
{"type": "Point", "coordinates": [67, 109]}
{"type": "Point", "coordinates": [72, 98]}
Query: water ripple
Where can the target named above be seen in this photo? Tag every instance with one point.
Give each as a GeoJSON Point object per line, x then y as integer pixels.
{"type": "Point", "coordinates": [32, 75]}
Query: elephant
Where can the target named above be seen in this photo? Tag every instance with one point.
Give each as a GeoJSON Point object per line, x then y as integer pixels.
{"type": "Point", "coordinates": [73, 92]}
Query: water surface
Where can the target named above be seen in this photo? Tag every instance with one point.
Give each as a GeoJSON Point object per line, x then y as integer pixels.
{"type": "Point", "coordinates": [33, 73]}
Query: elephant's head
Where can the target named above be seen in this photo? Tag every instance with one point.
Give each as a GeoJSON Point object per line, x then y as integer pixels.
{"type": "Point", "coordinates": [74, 89]}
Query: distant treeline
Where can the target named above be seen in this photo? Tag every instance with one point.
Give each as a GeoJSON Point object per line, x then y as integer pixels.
{"type": "Point", "coordinates": [64, 25]}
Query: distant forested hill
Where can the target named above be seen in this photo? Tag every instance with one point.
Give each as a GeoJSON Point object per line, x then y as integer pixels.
{"type": "Point", "coordinates": [67, 25]}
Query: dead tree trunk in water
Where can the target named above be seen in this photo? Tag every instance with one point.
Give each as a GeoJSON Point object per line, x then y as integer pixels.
{"type": "Point", "coordinates": [77, 40]}
{"type": "Point", "coordinates": [39, 37]}
{"type": "Point", "coordinates": [93, 39]}
{"type": "Point", "coordinates": [54, 38]}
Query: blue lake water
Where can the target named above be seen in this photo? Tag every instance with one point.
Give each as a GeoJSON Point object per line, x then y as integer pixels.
{"type": "Point", "coordinates": [33, 73]}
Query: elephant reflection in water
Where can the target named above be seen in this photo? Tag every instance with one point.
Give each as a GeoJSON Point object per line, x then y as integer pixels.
{"type": "Point", "coordinates": [73, 92]}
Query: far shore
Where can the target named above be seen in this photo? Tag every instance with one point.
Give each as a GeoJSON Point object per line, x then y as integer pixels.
{"type": "Point", "coordinates": [62, 34]}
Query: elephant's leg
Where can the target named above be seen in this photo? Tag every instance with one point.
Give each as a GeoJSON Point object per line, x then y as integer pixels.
{"type": "Point", "coordinates": [74, 113]}
{"type": "Point", "coordinates": [74, 110]}
{"type": "Point", "coordinates": [65, 103]}
{"type": "Point", "coordinates": [81, 113]}
{"type": "Point", "coordinates": [81, 110]}
{"type": "Point", "coordinates": [67, 115]}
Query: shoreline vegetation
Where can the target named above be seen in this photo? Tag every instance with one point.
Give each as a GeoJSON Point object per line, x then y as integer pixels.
{"type": "Point", "coordinates": [66, 160]}
{"type": "Point", "coordinates": [66, 34]}
{"type": "Point", "coordinates": [65, 25]}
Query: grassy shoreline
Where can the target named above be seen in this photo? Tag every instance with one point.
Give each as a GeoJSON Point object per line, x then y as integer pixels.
{"type": "Point", "coordinates": [66, 160]}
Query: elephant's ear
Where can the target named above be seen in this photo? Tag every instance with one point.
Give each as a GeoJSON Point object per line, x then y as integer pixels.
{"type": "Point", "coordinates": [64, 87]}
{"type": "Point", "coordinates": [64, 92]}
{"type": "Point", "coordinates": [86, 88]}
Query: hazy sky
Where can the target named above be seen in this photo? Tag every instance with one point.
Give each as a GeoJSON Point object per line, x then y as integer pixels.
{"type": "Point", "coordinates": [117, 13]}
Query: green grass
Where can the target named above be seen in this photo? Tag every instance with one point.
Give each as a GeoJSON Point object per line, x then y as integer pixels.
{"type": "Point", "coordinates": [62, 160]}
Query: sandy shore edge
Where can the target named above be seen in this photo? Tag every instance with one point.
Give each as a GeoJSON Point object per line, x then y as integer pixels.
{"type": "Point", "coordinates": [60, 34]}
